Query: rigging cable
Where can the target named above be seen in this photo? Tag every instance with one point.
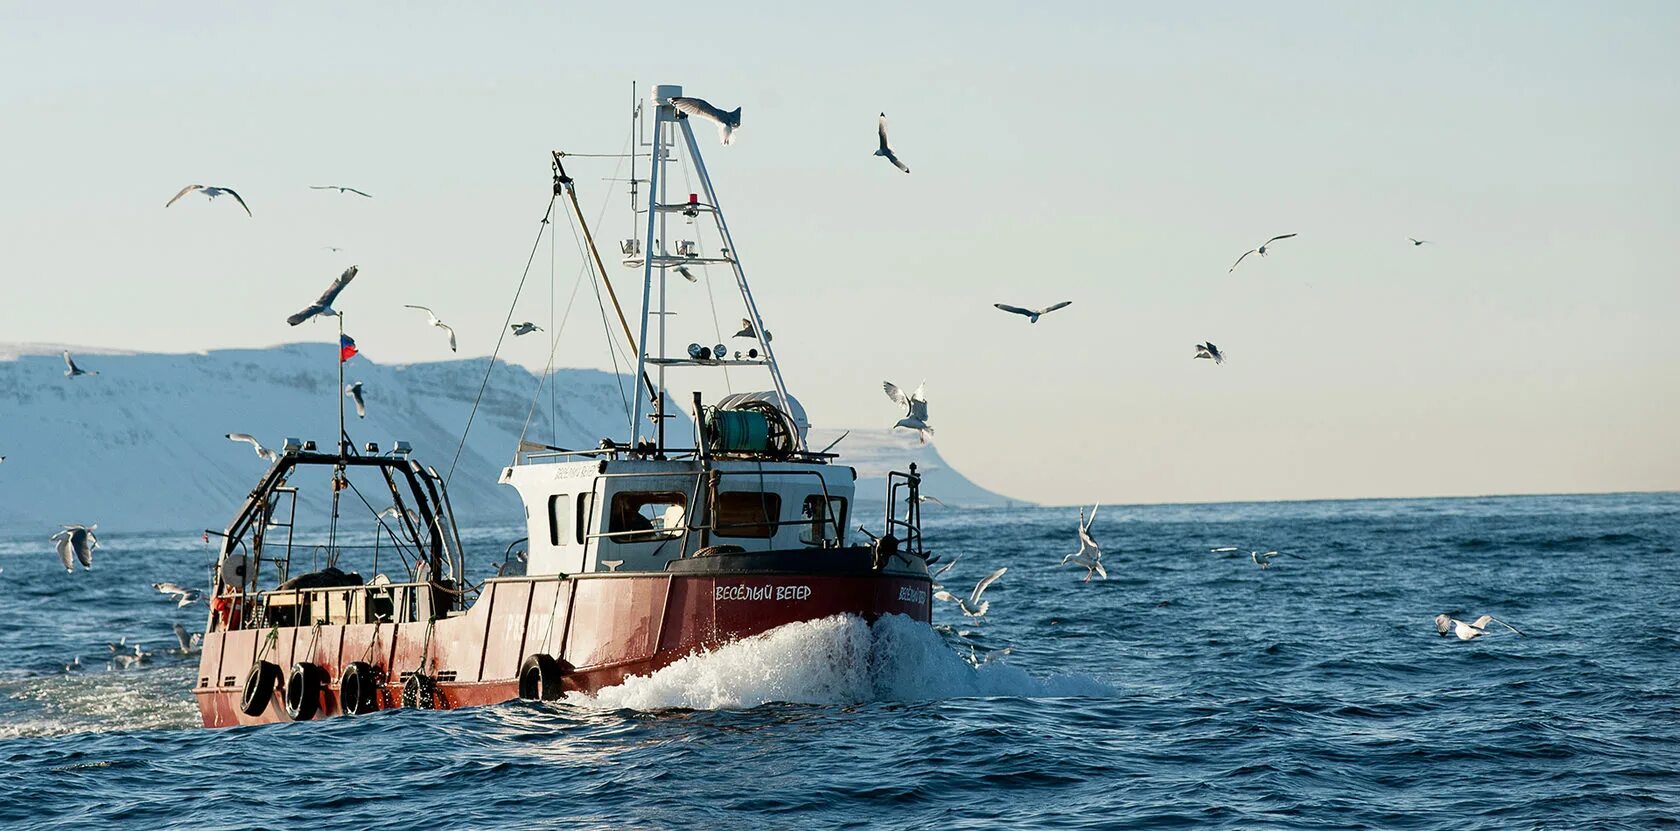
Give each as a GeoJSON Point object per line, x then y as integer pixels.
{"type": "Point", "coordinates": [502, 335]}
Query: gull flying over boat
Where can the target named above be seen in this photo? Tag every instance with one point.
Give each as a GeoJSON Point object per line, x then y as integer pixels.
{"type": "Point", "coordinates": [886, 149]}
{"type": "Point", "coordinates": [1089, 555]}
{"type": "Point", "coordinates": [687, 275]}
{"type": "Point", "coordinates": [923, 499]}
{"type": "Point", "coordinates": [323, 304]}
{"type": "Point", "coordinates": [747, 331]}
{"type": "Point", "coordinates": [183, 595]}
{"type": "Point", "coordinates": [915, 409]}
{"type": "Point", "coordinates": [76, 542]}
{"type": "Point", "coordinates": [432, 318]}
{"type": "Point", "coordinates": [341, 189]}
{"type": "Point", "coordinates": [1261, 251]}
{"type": "Point", "coordinates": [1468, 631]}
{"type": "Point", "coordinates": [727, 122]}
{"type": "Point", "coordinates": [525, 328]}
{"type": "Point", "coordinates": [1208, 350]}
{"type": "Point", "coordinates": [972, 605]}
{"type": "Point", "coordinates": [1031, 315]}
{"type": "Point", "coordinates": [354, 393]}
{"type": "Point", "coordinates": [210, 191]}
{"type": "Point", "coordinates": [71, 370]}
{"type": "Point", "coordinates": [262, 452]}
{"type": "Point", "coordinates": [1417, 242]}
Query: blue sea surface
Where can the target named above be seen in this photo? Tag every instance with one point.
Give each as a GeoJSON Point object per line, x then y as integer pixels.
{"type": "Point", "coordinates": [1192, 689]}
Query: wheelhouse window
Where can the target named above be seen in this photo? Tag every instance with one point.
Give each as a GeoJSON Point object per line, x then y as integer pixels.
{"type": "Point", "coordinates": [585, 511]}
{"type": "Point", "coordinates": [747, 514]}
{"type": "Point", "coordinates": [826, 518]}
{"type": "Point", "coordinates": [645, 517]}
{"type": "Point", "coordinates": [559, 519]}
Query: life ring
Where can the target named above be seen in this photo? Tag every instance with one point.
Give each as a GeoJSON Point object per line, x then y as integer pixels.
{"type": "Point", "coordinates": [303, 691]}
{"type": "Point", "coordinates": [540, 678]}
{"type": "Point", "coordinates": [260, 684]}
{"type": "Point", "coordinates": [420, 692]}
{"type": "Point", "coordinates": [358, 688]}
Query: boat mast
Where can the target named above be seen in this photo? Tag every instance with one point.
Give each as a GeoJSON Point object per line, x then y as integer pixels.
{"type": "Point", "coordinates": [662, 113]}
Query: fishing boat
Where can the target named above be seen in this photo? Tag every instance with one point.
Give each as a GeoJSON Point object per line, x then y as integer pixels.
{"type": "Point", "coordinates": [638, 552]}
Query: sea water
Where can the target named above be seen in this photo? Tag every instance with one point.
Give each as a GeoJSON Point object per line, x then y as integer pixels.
{"type": "Point", "coordinates": [1191, 689]}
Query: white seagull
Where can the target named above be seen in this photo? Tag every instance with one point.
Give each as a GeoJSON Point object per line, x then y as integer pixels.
{"type": "Point", "coordinates": [525, 328]}
{"type": "Point", "coordinates": [1261, 251]}
{"type": "Point", "coordinates": [923, 499]}
{"type": "Point", "coordinates": [262, 452]}
{"type": "Point", "coordinates": [1029, 314]}
{"type": "Point", "coordinates": [972, 605]}
{"type": "Point", "coordinates": [886, 149]}
{"type": "Point", "coordinates": [432, 318]}
{"type": "Point", "coordinates": [687, 275]}
{"type": "Point", "coordinates": [189, 643]}
{"type": "Point", "coordinates": [323, 304]}
{"type": "Point", "coordinates": [915, 409]}
{"type": "Point", "coordinates": [1208, 350]}
{"type": "Point", "coordinates": [76, 542]}
{"type": "Point", "coordinates": [341, 189]}
{"type": "Point", "coordinates": [354, 393]}
{"type": "Point", "coordinates": [1089, 555]}
{"type": "Point", "coordinates": [727, 122]}
{"type": "Point", "coordinates": [1468, 631]}
{"type": "Point", "coordinates": [183, 595]}
{"type": "Point", "coordinates": [212, 192]}
{"type": "Point", "coordinates": [71, 370]}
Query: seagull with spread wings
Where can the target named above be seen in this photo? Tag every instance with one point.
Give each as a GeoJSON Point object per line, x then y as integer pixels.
{"type": "Point", "coordinates": [972, 605]}
{"type": "Point", "coordinates": [341, 189]}
{"type": "Point", "coordinates": [915, 409]}
{"type": "Point", "coordinates": [354, 393]}
{"type": "Point", "coordinates": [727, 122]}
{"type": "Point", "coordinates": [323, 304]}
{"type": "Point", "coordinates": [183, 596]}
{"type": "Point", "coordinates": [76, 542]}
{"type": "Point", "coordinates": [885, 150]}
{"type": "Point", "coordinates": [1417, 242]}
{"type": "Point", "coordinates": [1089, 555]}
{"type": "Point", "coordinates": [70, 368]}
{"type": "Point", "coordinates": [1211, 352]}
{"type": "Point", "coordinates": [1031, 315]}
{"type": "Point", "coordinates": [212, 192]}
{"type": "Point", "coordinates": [262, 452]}
{"type": "Point", "coordinates": [432, 319]}
{"type": "Point", "coordinates": [1468, 631]}
{"type": "Point", "coordinates": [1261, 251]}
{"type": "Point", "coordinates": [525, 328]}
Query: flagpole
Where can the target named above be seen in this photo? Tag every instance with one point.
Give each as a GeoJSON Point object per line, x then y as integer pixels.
{"type": "Point", "coordinates": [338, 393]}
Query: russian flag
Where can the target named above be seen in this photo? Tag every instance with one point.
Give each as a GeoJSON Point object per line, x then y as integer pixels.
{"type": "Point", "coordinates": [346, 348]}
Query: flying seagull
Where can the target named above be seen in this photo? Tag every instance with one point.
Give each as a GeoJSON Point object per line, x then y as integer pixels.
{"type": "Point", "coordinates": [189, 643]}
{"type": "Point", "coordinates": [923, 499]}
{"type": "Point", "coordinates": [432, 318]}
{"type": "Point", "coordinates": [1264, 559]}
{"type": "Point", "coordinates": [341, 189]}
{"type": "Point", "coordinates": [1089, 555]}
{"type": "Point", "coordinates": [1468, 631]}
{"type": "Point", "coordinates": [886, 149]}
{"type": "Point", "coordinates": [354, 391]}
{"type": "Point", "coordinates": [1208, 350]}
{"type": "Point", "coordinates": [728, 122]}
{"type": "Point", "coordinates": [71, 370]}
{"type": "Point", "coordinates": [1261, 251]}
{"type": "Point", "coordinates": [323, 305]}
{"type": "Point", "coordinates": [76, 542]}
{"type": "Point", "coordinates": [526, 328]}
{"type": "Point", "coordinates": [212, 192]}
{"type": "Point", "coordinates": [747, 331]}
{"type": "Point", "coordinates": [687, 275]}
{"type": "Point", "coordinates": [1417, 242]}
{"type": "Point", "coordinates": [972, 605]}
{"type": "Point", "coordinates": [183, 595]}
{"type": "Point", "coordinates": [262, 452]}
{"type": "Point", "coordinates": [915, 409]}
{"type": "Point", "coordinates": [1031, 315]}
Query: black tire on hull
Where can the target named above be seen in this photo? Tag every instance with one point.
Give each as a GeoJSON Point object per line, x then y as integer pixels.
{"type": "Point", "coordinates": [420, 692]}
{"type": "Point", "coordinates": [260, 684]}
{"type": "Point", "coordinates": [358, 688]}
{"type": "Point", "coordinates": [540, 678]}
{"type": "Point", "coordinates": [303, 691]}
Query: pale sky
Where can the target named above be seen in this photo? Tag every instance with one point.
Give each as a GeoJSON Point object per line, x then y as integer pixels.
{"type": "Point", "coordinates": [1117, 155]}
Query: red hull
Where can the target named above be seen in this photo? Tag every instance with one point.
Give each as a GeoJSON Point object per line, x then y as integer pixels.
{"type": "Point", "coordinates": [601, 628]}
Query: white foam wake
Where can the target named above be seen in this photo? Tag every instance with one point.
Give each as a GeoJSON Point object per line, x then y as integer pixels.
{"type": "Point", "coordinates": [835, 660]}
